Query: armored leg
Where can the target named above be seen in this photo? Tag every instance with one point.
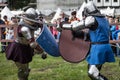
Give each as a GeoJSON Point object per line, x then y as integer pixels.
{"type": "Point", "coordinates": [44, 55]}
{"type": "Point", "coordinates": [94, 72]}
{"type": "Point", "coordinates": [23, 71]}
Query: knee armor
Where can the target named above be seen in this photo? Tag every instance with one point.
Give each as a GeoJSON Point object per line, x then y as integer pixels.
{"type": "Point", "coordinates": [23, 74]}
{"type": "Point", "coordinates": [94, 73]}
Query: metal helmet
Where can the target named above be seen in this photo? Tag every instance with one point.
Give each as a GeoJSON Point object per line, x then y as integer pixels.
{"type": "Point", "coordinates": [91, 10]}
{"type": "Point", "coordinates": [31, 15]}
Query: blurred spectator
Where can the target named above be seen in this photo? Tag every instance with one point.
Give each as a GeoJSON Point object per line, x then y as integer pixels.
{"type": "Point", "coordinates": [6, 20]}
{"type": "Point", "coordinates": [61, 19]}
{"type": "Point", "coordinates": [54, 31]}
{"type": "Point", "coordinates": [51, 29]}
{"type": "Point", "coordinates": [41, 18]}
{"type": "Point", "coordinates": [10, 31]}
{"type": "Point", "coordinates": [112, 30]}
{"type": "Point", "coordinates": [2, 35]}
{"type": "Point", "coordinates": [116, 36]}
{"type": "Point", "coordinates": [118, 45]}
{"type": "Point", "coordinates": [117, 21]}
{"type": "Point", "coordinates": [73, 17]}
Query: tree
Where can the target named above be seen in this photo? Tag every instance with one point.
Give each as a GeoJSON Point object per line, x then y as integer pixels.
{"type": "Point", "coordinates": [17, 4]}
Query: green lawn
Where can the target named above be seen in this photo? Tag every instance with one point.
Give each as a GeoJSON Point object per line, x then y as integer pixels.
{"type": "Point", "coordinates": [55, 68]}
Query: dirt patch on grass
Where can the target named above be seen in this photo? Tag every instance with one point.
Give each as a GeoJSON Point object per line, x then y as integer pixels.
{"type": "Point", "coordinates": [111, 72]}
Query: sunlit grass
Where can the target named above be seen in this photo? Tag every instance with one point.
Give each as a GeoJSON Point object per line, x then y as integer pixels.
{"type": "Point", "coordinates": [55, 68]}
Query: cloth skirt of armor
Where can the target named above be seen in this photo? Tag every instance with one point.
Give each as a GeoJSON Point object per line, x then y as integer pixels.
{"type": "Point", "coordinates": [19, 52]}
{"type": "Point", "coordinates": [100, 54]}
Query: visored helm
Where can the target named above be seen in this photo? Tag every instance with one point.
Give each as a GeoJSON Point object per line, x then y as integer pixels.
{"type": "Point", "coordinates": [31, 15]}
{"type": "Point", "coordinates": [91, 10]}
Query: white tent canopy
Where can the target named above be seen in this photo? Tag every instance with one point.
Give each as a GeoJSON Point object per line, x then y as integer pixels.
{"type": "Point", "coordinates": [6, 11]}
{"type": "Point", "coordinates": [79, 12]}
{"type": "Point", "coordinates": [46, 12]}
{"type": "Point", "coordinates": [67, 13]}
{"type": "Point", "coordinates": [57, 15]}
{"type": "Point", "coordinates": [17, 12]}
{"type": "Point", "coordinates": [109, 11]}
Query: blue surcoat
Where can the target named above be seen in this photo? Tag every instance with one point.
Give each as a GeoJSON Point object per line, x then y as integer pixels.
{"type": "Point", "coordinates": [100, 53]}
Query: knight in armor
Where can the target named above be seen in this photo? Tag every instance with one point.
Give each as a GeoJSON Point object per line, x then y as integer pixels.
{"type": "Point", "coordinates": [22, 49]}
{"type": "Point", "coordinates": [98, 34]}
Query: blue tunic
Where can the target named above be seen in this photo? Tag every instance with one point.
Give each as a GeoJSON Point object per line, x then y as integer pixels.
{"type": "Point", "coordinates": [100, 53]}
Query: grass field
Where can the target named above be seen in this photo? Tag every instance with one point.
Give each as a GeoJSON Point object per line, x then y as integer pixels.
{"type": "Point", "coordinates": [55, 68]}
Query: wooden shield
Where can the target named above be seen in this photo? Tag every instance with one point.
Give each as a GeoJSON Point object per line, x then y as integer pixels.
{"type": "Point", "coordinates": [47, 41]}
{"type": "Point", "coordinates": [73, 51]}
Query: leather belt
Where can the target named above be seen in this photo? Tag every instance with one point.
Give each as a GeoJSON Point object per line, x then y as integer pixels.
{"type": "Point", "coordinates": [104, 42]}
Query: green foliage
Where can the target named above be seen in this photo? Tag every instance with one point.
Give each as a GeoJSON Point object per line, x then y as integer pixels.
{"type": "Point", "coordinates": [17, 4]}
{"type": "Point", "coordinates": [55, 68]}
